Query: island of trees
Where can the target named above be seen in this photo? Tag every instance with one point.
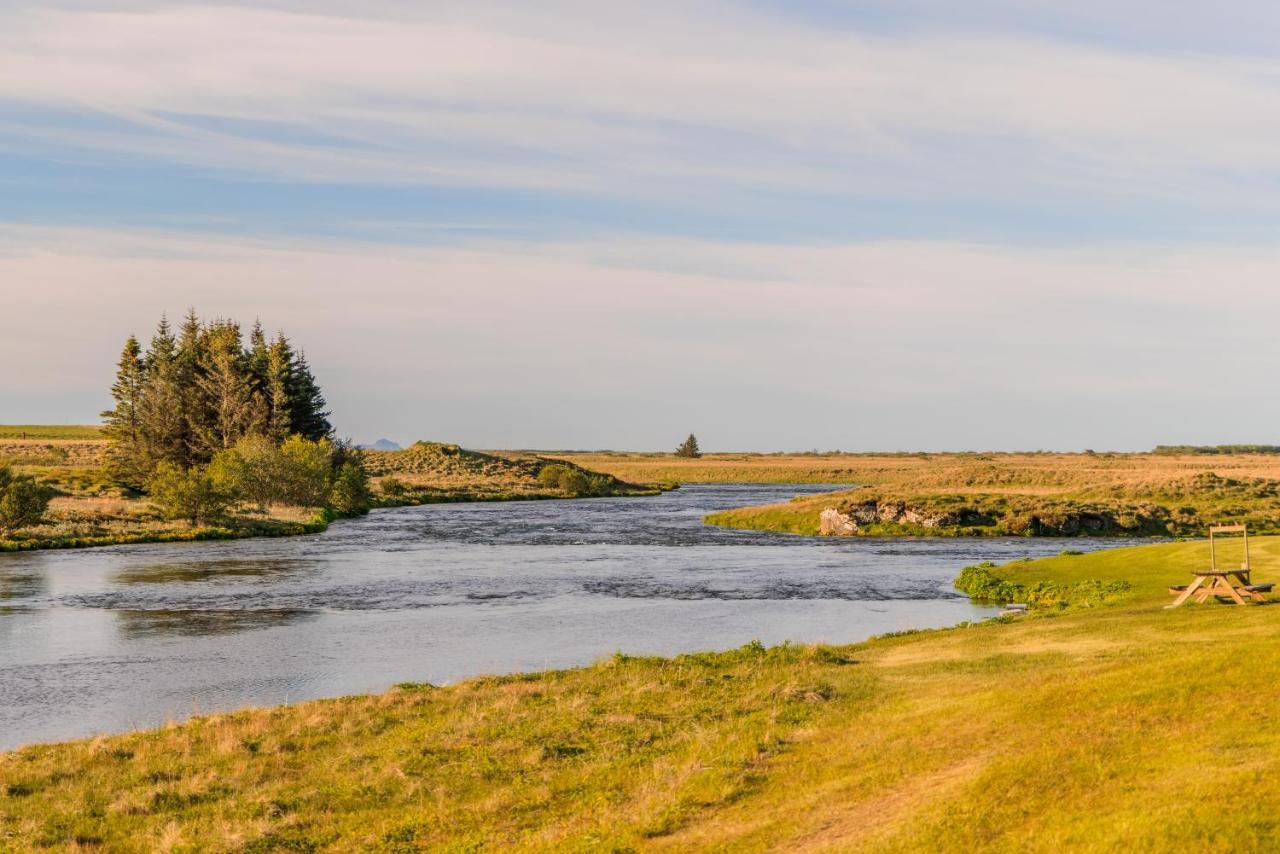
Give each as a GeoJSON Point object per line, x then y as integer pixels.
{"type": "Point", "coordinates": [205, 420]}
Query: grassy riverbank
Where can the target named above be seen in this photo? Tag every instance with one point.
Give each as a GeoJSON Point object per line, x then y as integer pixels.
{"type": "Point", "coordinates": [1117, 725]}
{"type": "Point", "coordinates": [89, 509]}
{"type": "Point", "coordinates": [1129, 495]}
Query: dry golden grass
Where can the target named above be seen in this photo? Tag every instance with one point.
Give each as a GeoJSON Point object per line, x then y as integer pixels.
{"type": "Point", "coordinates": [965, 472]}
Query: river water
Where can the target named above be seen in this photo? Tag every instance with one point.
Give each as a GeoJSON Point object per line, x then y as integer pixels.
{"type": "Point", "coordinates": [106, 640]}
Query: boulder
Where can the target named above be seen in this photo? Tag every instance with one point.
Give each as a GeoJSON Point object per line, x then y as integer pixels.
{"type": "Point", "coordinates": [833, 523]}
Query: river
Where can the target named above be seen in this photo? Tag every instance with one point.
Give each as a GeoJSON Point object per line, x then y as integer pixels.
{"type": "Point", "coordinates": [110, 639]}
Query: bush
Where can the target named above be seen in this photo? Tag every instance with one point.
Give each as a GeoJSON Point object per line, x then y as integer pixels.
{"type": "Point", "coordinates": [23, 501]}
{"type": "Point", "coordinates": [305, 468]}
{"type": "Point", "coordinates": [392, 487]}
{"type": "Point", "coordinates": [252, 470]}
{"type": "Point", "coordinates": [192, 494]}
{"type": "Point", "coordinates": [576, 482]}
{"type": "Point", "coordinates": [984, 585]}
{"type": "Point", "coordinates": [350, 493]}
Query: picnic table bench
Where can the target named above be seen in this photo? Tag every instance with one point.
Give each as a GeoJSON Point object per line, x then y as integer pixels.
{"type": "Point", "coordinates": [1215, 582]}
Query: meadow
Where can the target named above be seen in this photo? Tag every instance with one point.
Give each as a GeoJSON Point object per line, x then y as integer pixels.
{"type": "Point", "coordinates": [49, 431]}
{"type": "Point", "coordinates": [991, 494]}
{"type": "Point", "coordinates": [1096, 725]}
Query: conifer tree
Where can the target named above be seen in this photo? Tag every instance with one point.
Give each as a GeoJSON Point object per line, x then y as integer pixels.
{"type": "Point", "coordinates": [689, 447]}
{"type": "Point", "coordinates": [227, 406]}
{"type": "Point", "coordinates": [122, 424]}
{"type": "Point", "coordinates": [160, 418]}
{"type": "Point", "coordinates": [190, 349]}
{"type": "Point", "coordinates": [279, 382]}
{"type": "Point", "coordinates": [308, 417]}
{"type": "Point", "coordinates": [259, 359]}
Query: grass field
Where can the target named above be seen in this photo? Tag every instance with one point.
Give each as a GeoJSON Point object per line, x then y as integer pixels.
{"type": "Point", "coordinates": [49, 431]}
{"type": "Point", "coordinates": [1116, 726]}
{"type": "Point", "coordinates": [1000, 494]}
{"type": "Point", "coordinates": [1031, 473]}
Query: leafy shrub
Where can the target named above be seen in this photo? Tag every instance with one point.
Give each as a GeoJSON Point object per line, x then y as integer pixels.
{"type": "Point", "coordinates": [349, 494]}
{"type": "Point", "coordinates": [984, 585]}
{"type": "Point", "coordinates": [252, 471]}
{"type": "Point", "coordinates": [305, 467]}
{"type": "Point", "coordinates": [191, 494]}
{"type": "Point", "coordinates": [576, 482]}
{"type": "Point", "coordinates": [392, 487]}
{"type": "Point", "coordinates": [22, 500]}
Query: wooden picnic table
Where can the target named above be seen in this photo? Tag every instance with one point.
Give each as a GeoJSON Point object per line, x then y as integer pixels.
{"type": "Point", "coordinates": [1216, 582]}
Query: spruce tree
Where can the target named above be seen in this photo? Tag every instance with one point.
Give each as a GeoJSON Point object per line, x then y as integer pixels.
{"type": "Point", "coordinates": [259, 359]}
{"type": "Point", "coordinates": [308, 417]}
{"type": "Point", "coordinates": [279, 383]}
{"type": "Point", "coordinates": [186, 367]}
{"type": "Point", "coordinates": [122, 424]}
{"type": "Point", "coordinates": [160, 421]}
{"type": "Point", "coordinates": [228, 408]}
{"type": "Point", "coordinates": [689, 447]}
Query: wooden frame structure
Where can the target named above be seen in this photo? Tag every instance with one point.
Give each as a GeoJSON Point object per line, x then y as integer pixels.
{"type": "Point", "coordinates": [1228, 529]}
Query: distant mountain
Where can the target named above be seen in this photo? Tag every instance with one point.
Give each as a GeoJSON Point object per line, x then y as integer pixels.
{"type": "Point", "coordinates": [382, 445]}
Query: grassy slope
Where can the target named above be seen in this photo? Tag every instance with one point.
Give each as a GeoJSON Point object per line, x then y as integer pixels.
{"type": "Point", "coordinates": [1119, 726]}
{"type": "Point", "coordinates": [434, 471]}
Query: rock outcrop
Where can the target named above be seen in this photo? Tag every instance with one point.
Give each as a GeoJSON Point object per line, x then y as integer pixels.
{"type": "Point", "coordinates": [833, 523]}
{"type": "Point", "coordinates": [998, 516]}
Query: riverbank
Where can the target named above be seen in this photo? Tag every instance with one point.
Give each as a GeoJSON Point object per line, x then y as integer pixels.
{"type": "Point", "coordinates": [1097, 727]}
{"type": "Point", "coordinates": [1049, 495]}
{"type": "Point", "coordinates": [90, 510]}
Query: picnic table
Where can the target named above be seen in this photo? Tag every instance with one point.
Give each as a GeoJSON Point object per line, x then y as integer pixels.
{"type": "Point", "coordinates": [1218, 582]}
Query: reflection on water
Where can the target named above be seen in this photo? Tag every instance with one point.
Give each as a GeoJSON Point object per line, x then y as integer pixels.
{"type": "Point", "coordinates": [110, 639]}
{"type": "Point", "coordinates": [212, 570]}
{"type": "Point", "coordinates": [19, 584]}
{"type": "Point", "coordinates": [143, 624]}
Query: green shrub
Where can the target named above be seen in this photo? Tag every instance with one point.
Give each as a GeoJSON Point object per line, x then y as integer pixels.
{"type": "Point", "coordinates": [550, 475]}
{"type": "Point", "coordinates": [252, 470]}
{"type": "Point", "coordinates": [23, 501]}
{"type": "Point", "coordinates": [305, 468]}
{"type": "Point", "coordinates": [392, 487]}
{"type": "Point", "coordinates": [190, 494]}
{"type": "Point", "coordinates": [984, 585]}
{"type": "Point", "coordinates": [349, 494]}
{"type": "Point", "coordinates": [576, 482]}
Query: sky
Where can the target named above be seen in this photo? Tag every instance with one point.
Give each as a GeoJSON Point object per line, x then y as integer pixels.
{"type": "Point", "coordinates": [878, 225]}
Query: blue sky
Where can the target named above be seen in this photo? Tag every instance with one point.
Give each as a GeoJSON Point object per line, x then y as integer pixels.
{"type": "Point", "coordinates": [872, 225]}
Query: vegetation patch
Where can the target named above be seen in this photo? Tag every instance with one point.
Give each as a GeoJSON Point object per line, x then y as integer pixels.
{"type": "Point", "coordinates": [429, 472]}
{"type": "Point", "coordinates": [984, 584]}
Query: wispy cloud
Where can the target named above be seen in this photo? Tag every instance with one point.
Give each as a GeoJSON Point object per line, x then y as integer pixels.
{"type": "Point", "coordinates": [666, 100]}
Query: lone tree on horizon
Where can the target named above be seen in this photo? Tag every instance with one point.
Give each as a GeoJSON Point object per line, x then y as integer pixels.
{"type": "Point", "coordinates": [689, 447]}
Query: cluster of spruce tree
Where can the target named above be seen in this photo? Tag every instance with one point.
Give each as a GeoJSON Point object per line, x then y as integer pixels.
{"type": "Point", "coordinates": [205, 421]}
{"type": "Point", "coordinates": [191, 395]}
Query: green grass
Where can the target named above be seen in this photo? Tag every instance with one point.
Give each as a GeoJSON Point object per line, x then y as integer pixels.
{"type": "Point", "coordinates": [49, 431]}
{"type": "Point", "coordinates": [1118, 725]}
